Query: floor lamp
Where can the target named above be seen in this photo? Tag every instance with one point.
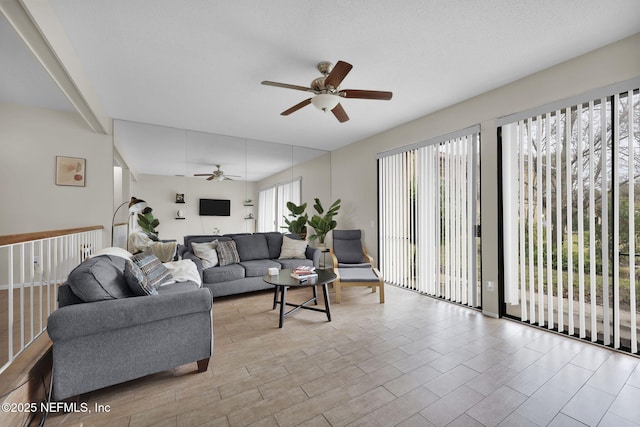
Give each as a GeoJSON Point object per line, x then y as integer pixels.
{"type": "Point", "coordinates": [135, 206]}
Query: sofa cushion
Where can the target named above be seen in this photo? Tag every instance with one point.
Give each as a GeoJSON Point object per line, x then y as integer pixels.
{"type": "Point", "coordinates": [207, 252]}
{"type": "Point", "coordinates": [258, 267]}
{"type": "Point", "coordinates": [274, 243]}
{"type": "Point", "coordinates": [227, 253]}
{"type": "Point", "coordinates": [156, 273]}
{"type": "Point", "coordinates": [178, 287]}
{"type": "Point", "coordinates": [200, 238]}
{"type": "Point", "coordinates": [223, 274]}
{"type": "Point", "coordinates": [251, 247]}
{"type": "Point", "coordinates": [292, 248]}
{"type": "Point", "coordinates": [99, 278]}
{"type": "Point", "coordinates": [136, 280]}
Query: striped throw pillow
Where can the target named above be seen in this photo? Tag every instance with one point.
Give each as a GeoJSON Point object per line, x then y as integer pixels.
{"type": "Point", "coordinates": [152, 268]}
{"type": "Point", "coordinates": [227, 252]}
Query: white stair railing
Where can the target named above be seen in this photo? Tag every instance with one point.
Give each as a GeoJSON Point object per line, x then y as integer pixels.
{"type": "Point", "coordinates": [32, 266]}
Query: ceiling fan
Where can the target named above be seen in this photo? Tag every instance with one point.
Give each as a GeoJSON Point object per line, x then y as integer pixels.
{"type": "Point", "coordinates": [217, 175]}
{"type": "Point", "coordinates": [327, 90]}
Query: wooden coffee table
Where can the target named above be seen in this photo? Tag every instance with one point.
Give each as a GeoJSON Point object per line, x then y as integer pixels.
{"type": "Point", "coordinates": [283, 281]}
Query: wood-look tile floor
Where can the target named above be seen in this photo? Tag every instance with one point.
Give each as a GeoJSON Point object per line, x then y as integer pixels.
{"type": "Point", "coordinates": [413, 361]}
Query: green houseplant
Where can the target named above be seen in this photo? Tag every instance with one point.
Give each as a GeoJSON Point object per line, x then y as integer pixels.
{"type": "Point", "coordinates": [323, 222]}
{"type": "Point", "coordinates": [148, 223]}
{"type": "Point", "coordinates": [298, 222]}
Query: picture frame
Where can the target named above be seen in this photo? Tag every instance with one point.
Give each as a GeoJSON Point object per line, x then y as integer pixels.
{"type": "Point", "coordinates": [71, 171]}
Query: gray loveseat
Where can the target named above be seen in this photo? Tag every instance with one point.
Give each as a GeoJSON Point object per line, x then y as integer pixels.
{"type": "Point", "coordinates": [257, 253]}
{"type": "Point", "coordinates": [123, 337]}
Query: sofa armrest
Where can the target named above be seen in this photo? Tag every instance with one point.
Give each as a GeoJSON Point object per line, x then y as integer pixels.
{"type": "Point", "coordinates": [95, 317]}
{"type": "Point", "coordinates": [314, 255]}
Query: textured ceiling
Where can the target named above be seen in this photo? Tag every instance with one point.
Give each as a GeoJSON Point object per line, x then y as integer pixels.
{"type": "Point", "coordinates": [198, 64]}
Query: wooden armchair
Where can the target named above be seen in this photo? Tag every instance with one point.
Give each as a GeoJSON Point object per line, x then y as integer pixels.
{"type": "Point", "coordinates": [352, 265]}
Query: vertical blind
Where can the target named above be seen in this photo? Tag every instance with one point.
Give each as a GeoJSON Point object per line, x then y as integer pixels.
{"type": "Point", "coordinates": [570, 179]}
{"type": "Point", "coordinates": [428, 214]}
{"type": "Point", "coordinates": [272, 204]}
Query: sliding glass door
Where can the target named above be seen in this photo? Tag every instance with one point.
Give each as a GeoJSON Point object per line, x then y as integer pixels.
{"type": "Point", "coordinates": [571, 220]}
{"type": "Point", "coordinates": [429, 211]}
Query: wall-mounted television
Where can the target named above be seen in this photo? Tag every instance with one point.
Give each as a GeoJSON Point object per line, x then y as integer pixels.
{"type": "Point", "coordinates": [215, 207]}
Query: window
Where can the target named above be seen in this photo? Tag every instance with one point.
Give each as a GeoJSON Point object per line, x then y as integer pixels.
{"type": "Point", "coordinates": [272, 204]}
{"type": "Point", "coordinates": [428, 205]}
{"type": "Point", "coordinates": [571, 191]}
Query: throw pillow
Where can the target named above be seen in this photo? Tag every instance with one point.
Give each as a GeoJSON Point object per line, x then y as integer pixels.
{"type": "Point", "coordinates": [137, 281]}
{"type": "Point", "coordinates": [292, 248]}
{"type": "Point", "coordinates": [206, 252]}
{"type": "Point", "coordinates": [99, 278]}
{"type": "Point", "coordinates": [227, 252]}
{"type": "Point", "coordinates": [155, 272]}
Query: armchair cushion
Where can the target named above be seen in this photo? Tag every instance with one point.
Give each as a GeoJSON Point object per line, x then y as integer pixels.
{"type": "Point", "coordinates": [355, 265]}
{"type": "Point", "coordinates": [358, 275]}
{"type": "Point", "coordinates": [348, 251]}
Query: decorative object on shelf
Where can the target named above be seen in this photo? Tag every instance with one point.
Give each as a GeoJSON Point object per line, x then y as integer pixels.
{"type": "Point", "coordinates": [70, 171]}
{"type": "Point", "coordinates": [322, 223]}
{"type": "Point", "coordinates": [180, 214]}
{"type": "Point", "coordinates": [248, 202]}
{"type": "Point", "coordinates": [250, 216]}
{"type": "Point", "coordinates": [148, 223]}
{"type": "Point", "coordinates": [135, 206]}
{"type": "Point", "coordinates": [298, 222]}
{"type": "Point", "coordinates": [179, 197]}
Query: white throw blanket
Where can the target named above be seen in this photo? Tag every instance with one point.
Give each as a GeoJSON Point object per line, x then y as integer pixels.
{"type": "Point", "coordinates": [165, 251]}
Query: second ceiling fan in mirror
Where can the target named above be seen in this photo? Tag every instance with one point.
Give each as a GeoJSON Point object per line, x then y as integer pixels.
{"type": "Point", "coordinates": [217, 175]}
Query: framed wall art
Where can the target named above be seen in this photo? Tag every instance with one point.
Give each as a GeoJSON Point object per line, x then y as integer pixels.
{"type": "Point", "coordinates": [70, 171]}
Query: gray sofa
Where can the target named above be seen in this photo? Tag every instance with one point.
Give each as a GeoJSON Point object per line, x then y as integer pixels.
{"type": "Point", "coordinates": [123, 337]}
{"type": "Point", "coordinates": [257, 253]}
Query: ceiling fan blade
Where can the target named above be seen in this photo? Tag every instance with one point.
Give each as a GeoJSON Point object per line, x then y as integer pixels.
{"type": "Point", "coordinates": [201, 174]}
{"type": "Point", "coordinates": [366, 94]}
{"type": "Point", "coordinates": [210, 178]}
{"type": "Point", "coordinates": [288, 86]}
{"type": "Point", "coordinates": [339, 72]}
{"type": "Point", "coordinates": [296, 107]}
{"type": "Point", "coordinates": [340, 114]}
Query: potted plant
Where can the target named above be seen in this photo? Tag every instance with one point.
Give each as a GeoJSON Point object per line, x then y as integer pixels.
{"type": "Point", "coordinates": [148, 223]}
{"type": "Point", "coordinates": [322, 222]}
{"type": "Point", "coordinates": [298, 222]}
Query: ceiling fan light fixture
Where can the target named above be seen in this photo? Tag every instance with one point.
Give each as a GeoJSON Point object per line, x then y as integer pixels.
{"type": "Point", "coordinates": [325, 101]}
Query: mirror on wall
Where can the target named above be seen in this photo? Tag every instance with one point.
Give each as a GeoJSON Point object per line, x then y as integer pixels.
{"type": "Point", "coordinates": [164, 161]}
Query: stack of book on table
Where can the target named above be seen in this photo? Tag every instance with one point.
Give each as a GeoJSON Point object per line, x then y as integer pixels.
{"type": "Point", "coordinates": [304, 273]}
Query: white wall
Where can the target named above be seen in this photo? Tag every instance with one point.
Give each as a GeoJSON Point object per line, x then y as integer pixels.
{"type": "Point", "coordinates": [354, 166]}
{"type": "Point", "coordinates": [160, 194]}
{"type": "Point", "coordinates": [30, 140]}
